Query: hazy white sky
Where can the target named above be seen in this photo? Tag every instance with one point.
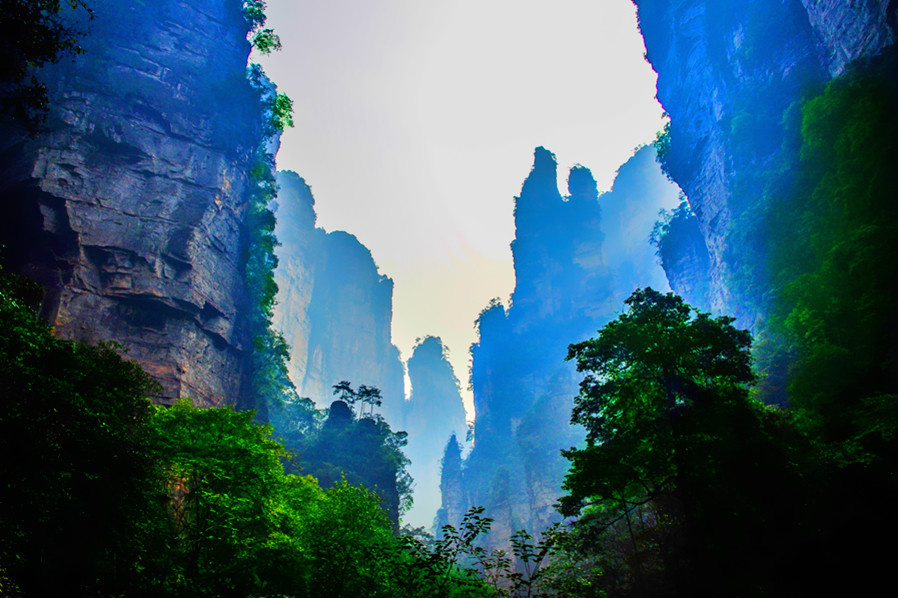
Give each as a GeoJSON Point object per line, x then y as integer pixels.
{"type": "Point", "coordinates": [416, 122]}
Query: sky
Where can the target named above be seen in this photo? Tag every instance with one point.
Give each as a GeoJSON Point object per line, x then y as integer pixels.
{"type": "Point", "coordinates": [416, 121]}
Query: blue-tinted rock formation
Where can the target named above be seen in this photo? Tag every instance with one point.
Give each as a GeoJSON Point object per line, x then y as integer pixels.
{"type": "Point", "coordinates": [727, 73]}
{"type": "Point", "coordinates": [131, 208]}
{"type": "Point", "coordinates": [433, 413]}
{"type": "Point", "coordinates": [565, 290]}
{"type": "Point", "coordinates": [334, 308]}
{"type": "Point", "coordinates": [629, 212]}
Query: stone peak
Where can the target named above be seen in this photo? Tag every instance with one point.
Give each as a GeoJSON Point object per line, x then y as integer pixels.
{"type": "Point", "coordinates": [544, 161]}
{"type": "Point", "coordinates": [581, 183]}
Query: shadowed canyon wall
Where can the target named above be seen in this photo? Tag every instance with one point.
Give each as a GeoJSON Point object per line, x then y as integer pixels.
{"type": "Point", "coordinates": [130, 208]}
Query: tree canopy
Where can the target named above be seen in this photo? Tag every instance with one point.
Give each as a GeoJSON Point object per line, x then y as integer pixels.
{"type": "Point", "coordinates": [656, 362]}
{"type": "Point", "coordinates": [681, 469]}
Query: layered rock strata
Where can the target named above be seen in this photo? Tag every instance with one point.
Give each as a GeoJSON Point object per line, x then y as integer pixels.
{"type": "Point", "coordinates": [130, 207]}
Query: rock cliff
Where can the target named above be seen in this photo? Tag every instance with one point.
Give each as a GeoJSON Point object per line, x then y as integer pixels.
{"type": "Point", "coordinates": [297, 252]}
{"type": "Point", "coordinates": [130, 208]}
{"type": "Point", "coordinates": [853, 29]}
{"type": "Point", "coordinates": [565, 290]}
{"type": "Point", "coordinates": [629, 213]}
{"type": "Point", "coordinates": [334, 308]}
{"type": "Point", "coordinates": [727, 74]}
{"type": "Point", "coordinates": [432, 415]}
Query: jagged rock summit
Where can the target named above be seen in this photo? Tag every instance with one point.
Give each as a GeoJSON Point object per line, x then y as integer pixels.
{"type": "Point", "coordinates": [565, 290]}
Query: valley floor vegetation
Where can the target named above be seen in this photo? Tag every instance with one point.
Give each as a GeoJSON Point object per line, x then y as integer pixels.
{"type": "Point", "coordinates": [105, 494]}
{"type": "Point", "coordinates": [686, 486]}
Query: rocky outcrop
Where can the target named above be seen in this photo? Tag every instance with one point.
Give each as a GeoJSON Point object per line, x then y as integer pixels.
{"type": "Point", "coordinates": [351, 312]}
{"type": "Point", "coordinates": [454, 498]}
{"type": "Point", "coordinates": [725, 69]}
{"type": "Point", "coordinates": [521, 382]}
{"type": "Point", "coordinates": [130, 208]}
{"type": "Point", "coordinates": [727, 73]}
{"type": "Point", "coordinates": [334, 308]}
{"type": "Point", "coordinates": [630, 210]}
{"type": "Point", "coordinates": [684, 258]}
{"type": "Point", "coordinates": [297, 251]}
{"type": "Point", "coordinates": [432, 415]}
{"type": "Point", "coordinates": [848, 30]}
{"type": "Point", "coordinates": [565, 290]}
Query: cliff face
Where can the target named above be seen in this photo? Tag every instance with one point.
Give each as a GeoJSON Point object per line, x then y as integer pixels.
{"type": "Point", "coordinates": [684, 257]}
{"type": "Point", "coordinates": [334, 307]}
{"type": "Point", "coordinates": [629, 212]}
{"type": "Point", "coordinates": [351, 311]}
{"type": "Point", "coordinates": [130, 208]}
{"type": "Point", "coordinates": [565, 290]}
{"type": "Point", "coordinates": [299, 245]}
{"type": "Point", "coordinates": [849, 30]}
{"type": "Point", "coordinates": [432, 415]}
{"type": "Point", "coordinates": [727, 73]}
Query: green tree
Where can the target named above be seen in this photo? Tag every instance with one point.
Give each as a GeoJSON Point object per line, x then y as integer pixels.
{"type": "Point", "coordinates": [653, 363]}
{"type": "Point", "coordinates": [262, 38]}
{"type": "Point", "coordinates": [34, 33]}
{"type": "Point", "coordinates": [224, 483]}
{"type": "Point", "coordinates": [75, 468]}
{"type": "Point", "coordinates": [680, 468]}
{"type": "Point", "coordinates": [350, 541]}
{"type": "Point", "coordinates": [363, 449]}
{"type": "Point", "coordinates": [445, 566]}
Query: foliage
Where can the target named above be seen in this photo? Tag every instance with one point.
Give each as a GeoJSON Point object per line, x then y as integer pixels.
{"type": "Point", "coordinates": [224, 481]}
{"type": "Point", "coordinates": [365, 395]}
{"type": "Point", "coordinates": [654, 362]}
{"type": "Point", "coordinates": [839, 287]}
{"type": "Point", "coordinates": [360, 448]}
{"type": "Point", "coordinates": [34, 33]}
{"type": "Point", "coordinates": [269, 387]}
{"type": "Point", "coordinates": [277, 106]}
{"type": "Point", "coordinates": [75, 465]}
{"type": "Point", "coordinates": [262, 38]}
{"type": "Point", "coordinates": [281, 111]}
{"type": "Point", "coordinates": [108, 496]}
{"type": "Point", "coordinates": [679, 463]}
{"type": "Point", "coordinates": [831, 233]}
{"type": "Point", "coordinates": [662, 148]}
{"type": "Point", "coordinates": [524, 576]}
{"type": "Point", "coordinates": [444, 567]}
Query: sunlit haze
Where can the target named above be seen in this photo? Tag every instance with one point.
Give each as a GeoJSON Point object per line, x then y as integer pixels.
{"type": "Point", "coordinates": [416, 120]}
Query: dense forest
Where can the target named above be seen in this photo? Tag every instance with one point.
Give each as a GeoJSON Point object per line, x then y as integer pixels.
{"type": "Point", "coordinates": [715, 460]}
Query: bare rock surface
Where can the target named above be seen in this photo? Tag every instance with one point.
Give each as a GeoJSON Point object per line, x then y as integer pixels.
{"type": "Point", "coordinates": [130, 208]}
{"type": "Point", "coordinates": [727, 72]}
